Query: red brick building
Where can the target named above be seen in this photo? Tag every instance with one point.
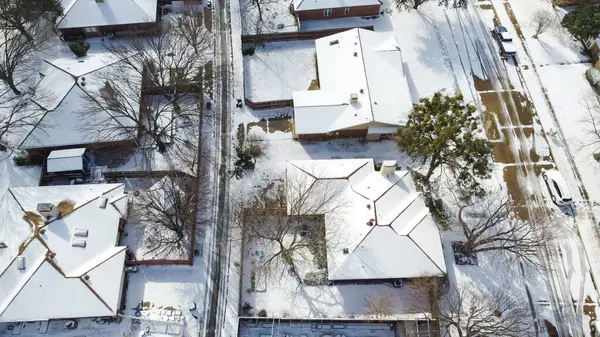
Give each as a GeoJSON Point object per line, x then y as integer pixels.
{"type": "Point", "coordinates": [331, 9]}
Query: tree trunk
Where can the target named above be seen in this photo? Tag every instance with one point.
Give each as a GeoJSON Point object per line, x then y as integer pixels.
{"type": "Point", "coordinates": [11, 83]}
{"type": "Point", "coordinates": [432, 166]}
{"type": "Point", "coordinates": [260, 18]}
{"type": "Point", "coordinates": [25, 33]}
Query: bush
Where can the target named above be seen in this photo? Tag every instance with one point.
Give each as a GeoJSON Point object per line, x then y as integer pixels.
{"type": "Point", "coordinates": [593, 76]}
{"type": "Point", "coordinates": [22, 159]}
{"type": "Point", "coordinates": [244, 161]}
{"type": "Point", "coordinates": [262, 313]}
{"type": "Point", "coordinates": [79, 47]}
{"type": "Point", "coordinates": [248, 50]}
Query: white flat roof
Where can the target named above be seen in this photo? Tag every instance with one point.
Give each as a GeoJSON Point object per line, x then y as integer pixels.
{"type": "Point", "coordinates": [65, 160]}
{"type": "Point", "coordinates": [361, 62]}
{"type": "Point", "coordinates": [53, 287]}
{"type": "Point", "coordinates": [404, 243]}
{"type": "Point", "coordinates": [67, 153]}
{"type": "Point", "coordinates": [307, 5]}
{"type": "Point", "coordinates": [65, 98]}
{"type": "Point", "coordinates": [91, 13]}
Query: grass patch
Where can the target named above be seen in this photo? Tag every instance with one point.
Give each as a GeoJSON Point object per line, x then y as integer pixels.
{"type": "Point", "coordinates": [208, 78]}
{"type": "Point", "coordinates": [208, 20]}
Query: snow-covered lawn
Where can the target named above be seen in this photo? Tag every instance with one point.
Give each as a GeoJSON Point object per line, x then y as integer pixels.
{"type": "Point", "coordinates": [555, 46]}
{"type": "Point", "coordinates": [278, 69]}
{"type": "Point", "coordinates": [280, 295]}
{"type": "Point", "coordinates": [571, 114]}
{"type": "Point", "coordinates": [274, 14]}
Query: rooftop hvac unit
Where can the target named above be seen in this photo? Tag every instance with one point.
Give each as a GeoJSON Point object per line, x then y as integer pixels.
{"type": "Point", "coordinates": [81, 232]}
{"type": "Point", "coordinates": [21, 262]}
{"type": "Point", "coordinates": [78, 243]}
{"type": "Point", "coordinates": [334, 42]}
{"type": "Point", "coordinates": [47, 210]}
{"type": "Point", "coordinates": [388, 167]}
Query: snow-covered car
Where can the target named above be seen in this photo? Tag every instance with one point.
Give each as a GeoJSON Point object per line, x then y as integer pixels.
{"type": "Point", "coordinates": [505, 41]}
{"type": "Point", "coordinates": [557, 186]}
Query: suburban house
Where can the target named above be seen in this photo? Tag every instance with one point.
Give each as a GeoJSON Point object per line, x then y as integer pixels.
{"type": "Point", "coordinates": [363, 90]}
{"type": "Point", "coordinates": [330, 9]}
{"type": "Point", "coordinates": [383, 230]}
{"type": "Point", "coordinates": [58, 252]}
{"type": "Point", "coordinates": [100, 17]}
{"type": "Point", "coordinates": [63, 86]}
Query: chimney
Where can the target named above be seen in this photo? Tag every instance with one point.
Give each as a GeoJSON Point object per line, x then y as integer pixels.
{"type": "Point", "coordinates": [388, 167]}
{"type": "Point", "coordinates": [47, 210]}
{"type": "Point", "coordinates": [353, 98]}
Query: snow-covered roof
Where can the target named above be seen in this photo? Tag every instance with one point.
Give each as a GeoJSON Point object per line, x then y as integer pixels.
{"type": "Point", "coordinates": [62, 91]}
{"type": "Point", "coordinates": [94, 13]}
{"type": "Point", "coordinates": [65, 160]}
{"type": "Point", "coordinates": [307, 5]}
{"type": "Point", "coordinates": [361, 62]}
{"type": "Point", "coordinates": [403, 240]}
{"type": "Point", "coordinates": [52, 283]}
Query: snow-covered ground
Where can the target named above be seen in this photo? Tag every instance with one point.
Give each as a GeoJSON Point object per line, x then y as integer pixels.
{"type": "Point", "coordinates": [278, 69]}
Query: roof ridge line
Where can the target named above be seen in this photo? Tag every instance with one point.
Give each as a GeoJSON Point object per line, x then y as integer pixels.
{"type": "Point", "coordinates": [414, 197]}
{"type": "Point", "coordinates": [421, 249]}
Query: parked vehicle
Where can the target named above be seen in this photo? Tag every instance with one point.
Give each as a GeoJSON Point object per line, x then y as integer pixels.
{"type": "Point", "coordinates": [209, 4]}
{"type": "Point", "coordinates": [557, 186]}
{"type": "Point", "coordinates": [505, 41]}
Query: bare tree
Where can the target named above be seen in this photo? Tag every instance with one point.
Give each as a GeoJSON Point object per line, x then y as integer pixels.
{"type": "Point", "coordinates": [22, 15]}
{"type": "Point", "coordinates": [380, 304]}
{"type": "Point", "coordinates": [14, 49]}
{"type": "Point", "coordinates": [495, 227]}
{"type": "Point", "coordinates": [470, 314]}
{"type": "Point", "coordinates": [296, 235]}
{"type": "Point", "coordinates": [190, 27]}
{"type": "Point", "coordinates": [591, 104]}
{"type": "Point", "coordinates": [154, 88]}
{"type": "Point", "coordinates": [415, 4]}
{"type": "Point", "coordinates": [167, 212]}
{"type": "Point", "coordinates": [17, 115]}
{"type": "Point", "coordinates": [542, 20]}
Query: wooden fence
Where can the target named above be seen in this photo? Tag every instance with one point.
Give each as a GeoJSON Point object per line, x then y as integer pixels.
{"type": "Point", "coordinates": [292, 36]}
{"type": "Point", "coordinates": [284, 103]}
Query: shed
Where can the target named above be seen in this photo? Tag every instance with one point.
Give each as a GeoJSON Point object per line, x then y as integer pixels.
{"type": "Point", "coordinates": [69, 160]}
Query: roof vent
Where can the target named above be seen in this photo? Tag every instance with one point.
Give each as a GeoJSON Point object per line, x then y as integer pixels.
{"type": "Point", "coordinates": [78, 243]}
{"type": "Point", "coordinates": [353, 98]}
{"type": "Point", "coordinates": [355, 54]}
{"type": "Point", "coordinates": [47, 210]}
{"type": "Point", "coordinates": [334, 42]}
{"type": "Point", "coordinates": [82, 82]}
{"type": "Point", "coordinates": [80, 61]}
{"type": "Point", "coordinates": [362, 91]}
{"type": "Point", "coordinates": [371, 223]}
{"type": "Point", "coordinates": [43, 231]}
{"type": "Point", "coordinates": [368, 206]}
{"type": "Point", "coordinates": [388, 167]}
{"type": "Point", "coordinates": [102, 201]}
{"type": "Point", "coordinates": [346, 251]}
{"type": "Point", "coordinates": [21, 262]}
{"type": "Point", "coordinates": [52, 255]}
{"type": "Point", "coordinates": [81, 232]}
{"type": "Point", "coordinates": [86, 277]}
{"type": "Point", "coordinates": [3, 245]}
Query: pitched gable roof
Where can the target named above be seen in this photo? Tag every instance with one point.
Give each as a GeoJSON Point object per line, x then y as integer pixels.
{"type": "Point", "coordinates": [404, 243]}
{"type": "Point", "coordinates": [90, 13]}
{"type": "Point", "coordinates": [361, 62]}
{"type": "Point", "coordinates": [53, 268]}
